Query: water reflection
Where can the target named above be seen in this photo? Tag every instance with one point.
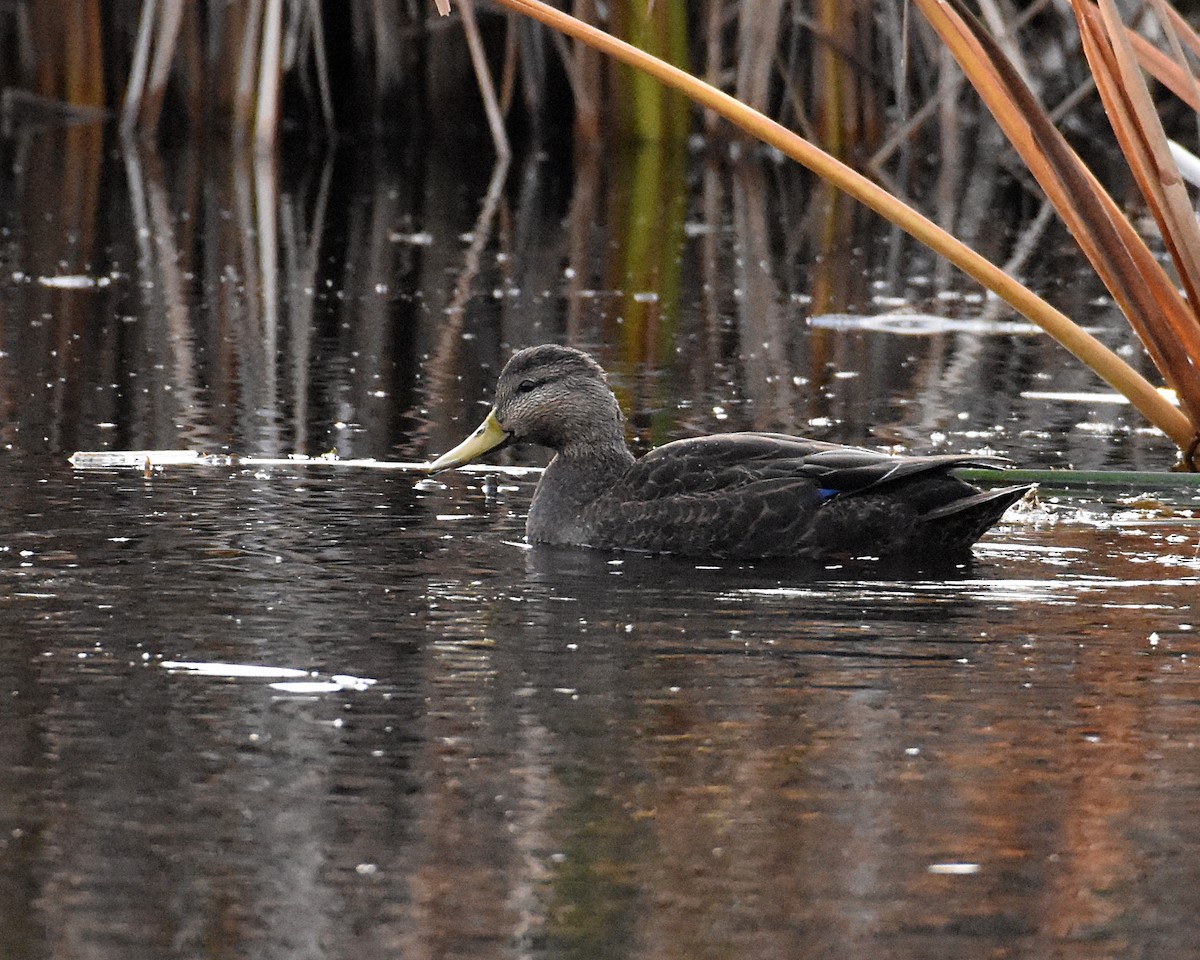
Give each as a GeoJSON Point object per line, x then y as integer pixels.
{"type": "Point", "coordinates": [362, 299]}
{"type": "Point", "coordinates": [567, 751]}
{"type": "Point", "coordinates": [462, 746]}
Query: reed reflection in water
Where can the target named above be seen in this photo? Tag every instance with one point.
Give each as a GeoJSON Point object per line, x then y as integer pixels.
{"type": "Point", "coordinates": [364, 299]}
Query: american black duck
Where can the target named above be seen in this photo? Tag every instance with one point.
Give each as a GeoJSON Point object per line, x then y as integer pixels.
{"type": "Point", "coordinates": [736, 495]}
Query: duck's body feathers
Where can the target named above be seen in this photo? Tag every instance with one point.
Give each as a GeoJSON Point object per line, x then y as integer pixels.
{"type": "Point", "coordinates": [752, 495]}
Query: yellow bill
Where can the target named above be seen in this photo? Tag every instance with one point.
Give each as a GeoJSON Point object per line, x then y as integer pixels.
{"type": "Point", "coordinates": [487, 436]}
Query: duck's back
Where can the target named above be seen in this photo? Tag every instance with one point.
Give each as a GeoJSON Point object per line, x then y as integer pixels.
{"type": "Point", "coordinates": [757, 495]}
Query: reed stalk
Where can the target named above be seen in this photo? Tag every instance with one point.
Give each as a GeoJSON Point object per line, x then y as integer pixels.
{"type": "Point", "coordinates": [270, 70]}
{"type": "Point", "coordinates": [483, 76]}
{"type": "Point", "coordinates": [1164, 319]}
{"type": "Point", "coordinates": [647, 110]}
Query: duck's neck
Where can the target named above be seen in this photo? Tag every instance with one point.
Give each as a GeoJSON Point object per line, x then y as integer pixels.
{"type": "Point", "coordinates": [579, 474]}
{"type": "Point", "coordinates": [591, 468]}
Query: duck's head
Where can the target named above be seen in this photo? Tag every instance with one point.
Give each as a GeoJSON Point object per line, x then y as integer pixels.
{"type": "Point", "coordinates": [554, 396]}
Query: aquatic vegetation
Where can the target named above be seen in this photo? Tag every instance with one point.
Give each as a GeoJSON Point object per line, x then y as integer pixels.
{"type": "Point", "coordinates": [251, 70]}
{"type": "Point", "coordinates": [1166, 322]}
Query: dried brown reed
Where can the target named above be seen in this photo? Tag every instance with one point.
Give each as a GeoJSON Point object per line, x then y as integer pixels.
{"type": "Point", "coordinates": [1165, 319]}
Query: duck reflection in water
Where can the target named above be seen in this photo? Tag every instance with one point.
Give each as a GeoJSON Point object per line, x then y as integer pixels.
{"type": "Point", "coordinates": [738, 496]}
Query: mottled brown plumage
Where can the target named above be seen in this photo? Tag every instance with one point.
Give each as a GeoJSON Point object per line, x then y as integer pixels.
{"type": "Point", "coordinates": [737, 495]}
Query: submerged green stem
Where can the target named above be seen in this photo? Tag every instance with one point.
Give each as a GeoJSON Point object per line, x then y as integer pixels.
{"type": "Point", "coordinates": [1065, 479]}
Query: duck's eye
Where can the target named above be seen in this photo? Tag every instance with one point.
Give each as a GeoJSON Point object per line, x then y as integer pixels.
{"type": "Point", "coordinates": [527, 386]}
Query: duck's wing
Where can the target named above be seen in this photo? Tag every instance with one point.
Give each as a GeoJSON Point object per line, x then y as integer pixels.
{"type": "Point", "coordinates": [727, 462]}
{"type": "Point", "coordinates": [764, 518]}
{"type": "Point", "coordinates": [756, 495]}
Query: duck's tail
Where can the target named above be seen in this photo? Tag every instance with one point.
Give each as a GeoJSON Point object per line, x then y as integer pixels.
{"type": "Point", "coordinates": [955, 526]}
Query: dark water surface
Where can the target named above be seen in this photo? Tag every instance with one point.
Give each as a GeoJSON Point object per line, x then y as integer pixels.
{"type": "Point", "coordinates": [318, 711]}
{"type": "Point", "coordinates": [507, 751]}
